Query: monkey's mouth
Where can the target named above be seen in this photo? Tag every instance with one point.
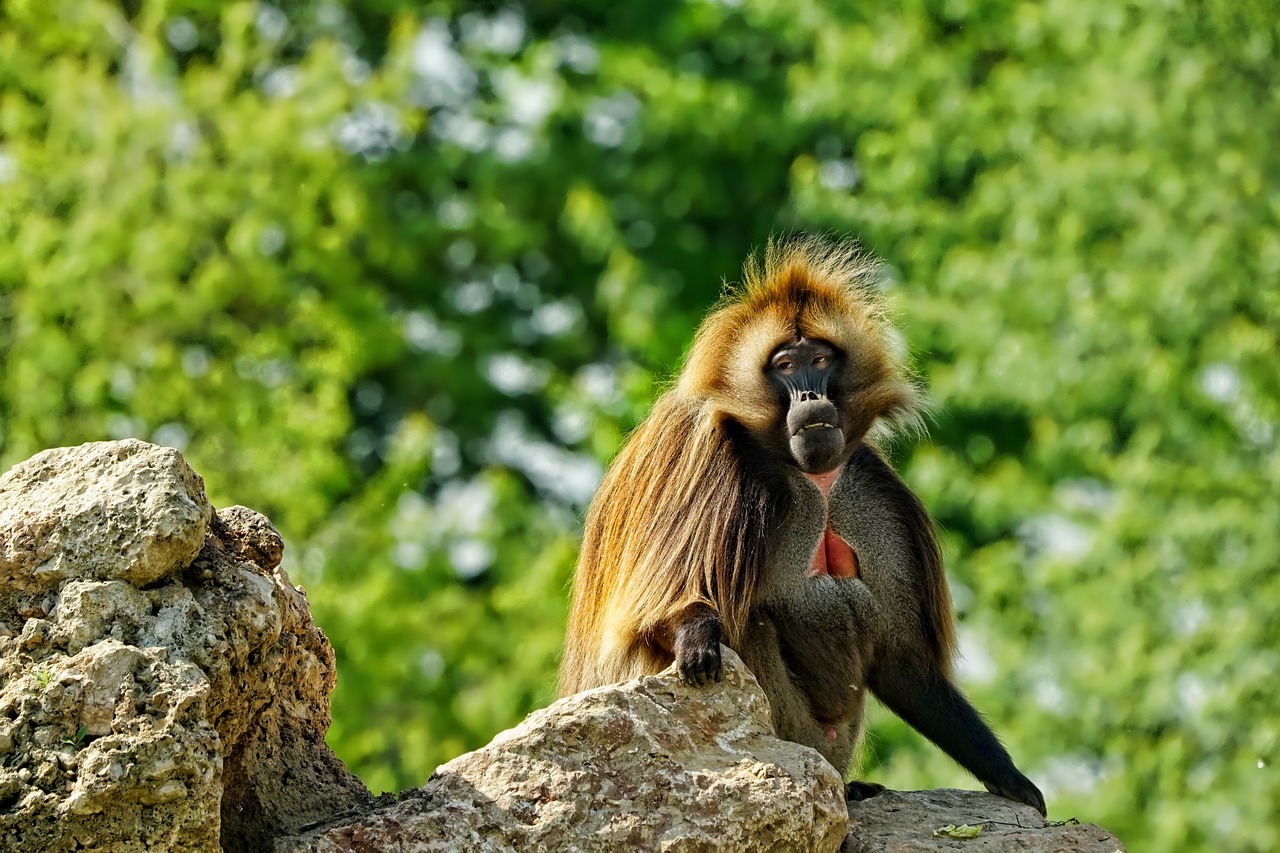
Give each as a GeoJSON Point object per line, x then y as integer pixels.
{"type": "Point", "coordinates": [817, 447]}
{"type": "Point", "coordinates": [815, 440]}
{"type": "Point", "coordinates": [818, 425]}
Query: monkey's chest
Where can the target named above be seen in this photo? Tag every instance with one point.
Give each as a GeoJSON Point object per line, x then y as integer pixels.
{"type": "Point", "coordinates": [834, 556]}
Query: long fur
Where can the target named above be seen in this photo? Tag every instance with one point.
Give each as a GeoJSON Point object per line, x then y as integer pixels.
{"type": "Point", "coordinates": [686, 513]}
{"type": "Point", "coordinates": [679, 521]}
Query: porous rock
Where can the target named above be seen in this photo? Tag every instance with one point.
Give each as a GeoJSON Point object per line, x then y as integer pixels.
{"type": "Point", "coordinates": [650, 764]}
{"type": "Point", "coordinates": [162, 685]}
{"type": "Point", "coordinates": [110, 510]}
{"type": "Point", "coordinates": [905, 822]}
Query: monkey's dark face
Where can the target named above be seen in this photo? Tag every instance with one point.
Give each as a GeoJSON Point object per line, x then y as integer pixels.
{"type": "Point", "coordinates": [802, 372]}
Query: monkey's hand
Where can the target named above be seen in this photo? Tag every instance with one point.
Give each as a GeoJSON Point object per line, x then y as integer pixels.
{"type": "Point", "coordinates": [697, 648]}
{"type": "Point", "coordinates": [1014, 786]}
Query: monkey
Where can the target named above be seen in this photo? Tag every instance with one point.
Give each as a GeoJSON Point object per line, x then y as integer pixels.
{"type": "Point", "coordinates": [752, 507]}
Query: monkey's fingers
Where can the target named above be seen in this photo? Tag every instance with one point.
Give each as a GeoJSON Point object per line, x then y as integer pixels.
{"type": "Point", "coordinates": [699, 665]}
{"type": "Point", "coordinates": [1020, 789]}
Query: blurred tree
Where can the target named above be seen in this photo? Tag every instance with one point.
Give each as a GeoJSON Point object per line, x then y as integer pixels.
{"type": "Point", "coordinates": [401, 277]}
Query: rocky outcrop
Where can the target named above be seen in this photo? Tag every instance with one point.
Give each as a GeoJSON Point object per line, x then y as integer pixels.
{"type": "Point", "coordinates": [162, 685]}
{"type": "Point", "coordinates": [905, 822]}
{"type": "Point", "coordinates": [651, 764]}
{"type": "Point", "coordinates": [656, 765]}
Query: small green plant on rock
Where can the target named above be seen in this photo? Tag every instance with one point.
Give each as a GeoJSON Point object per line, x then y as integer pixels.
{"type": "Point", "coordinates": [76, 742]}
{"type": "Point", "coordinates": [43, 675]}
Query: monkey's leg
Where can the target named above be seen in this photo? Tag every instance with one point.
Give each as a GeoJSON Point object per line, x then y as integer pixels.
{"type": "Point", "coordinates": [940, 712]}
{"type": "Point", "coordinates": [697, 645]}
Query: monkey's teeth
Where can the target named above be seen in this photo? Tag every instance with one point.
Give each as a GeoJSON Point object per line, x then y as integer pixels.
{"type": "Point", "coordinates": [817, 426]}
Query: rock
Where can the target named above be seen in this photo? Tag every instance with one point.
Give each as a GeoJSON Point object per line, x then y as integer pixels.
{"type": "Point", "coordinates": [904, 822]}
{"type": "Point", "coordinates": [162, 685]}
{"type": "Point", "coordinates": [123, 510]}
{"type": "Point", "coordinates": [279, 774]}
{"type": "Point", "coordinates": [644, 765]}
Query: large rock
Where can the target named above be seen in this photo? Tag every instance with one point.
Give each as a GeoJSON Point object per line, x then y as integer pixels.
{"type": "Point", "coordinates": [112, 510]}
{"type": "Point", "coordinates": [162, 685]}
{"type": "Point", "coordinates": [647, 765]}
{"type": "Point", "coordinates": [904, 822]}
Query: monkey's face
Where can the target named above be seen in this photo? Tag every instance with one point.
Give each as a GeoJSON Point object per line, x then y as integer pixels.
{"type": "Point", "coordinates": [802, 372]}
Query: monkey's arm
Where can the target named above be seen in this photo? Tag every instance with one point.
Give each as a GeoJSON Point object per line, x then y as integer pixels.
{"type": "Point", "coordinates": [911, 672]}
{"type": "Point", "coordinates": [933, 706]}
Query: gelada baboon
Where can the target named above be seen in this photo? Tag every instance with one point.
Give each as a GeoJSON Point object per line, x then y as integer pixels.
{"type": "Point", "coordinates": [749, 508]}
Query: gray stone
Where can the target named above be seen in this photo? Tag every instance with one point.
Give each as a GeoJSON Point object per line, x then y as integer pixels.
{"type": "Point", "coordinates": [165, 688]}
{"type": "Point", "coordinates": [904, 822]}
{"type": "Point", "coordinates": [110, 510]}
{"type": "Point", "coordinates": [650, 764]}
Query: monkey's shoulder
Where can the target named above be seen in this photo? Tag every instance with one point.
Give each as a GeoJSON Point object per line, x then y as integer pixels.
{"type": "Point", "coordinates": [868, 486]}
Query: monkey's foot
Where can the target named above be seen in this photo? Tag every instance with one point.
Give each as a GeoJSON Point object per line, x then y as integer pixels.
{"type": "Point", "coordinates": [858, 791]}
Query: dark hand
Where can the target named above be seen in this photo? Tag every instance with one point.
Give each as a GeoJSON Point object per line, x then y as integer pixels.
{"type": "Point", "coordinates": [1020, 789]}
{"type": "Point", "coordinates": [698, 650]}
{"type": "Point", "coordinates": [857, 791]}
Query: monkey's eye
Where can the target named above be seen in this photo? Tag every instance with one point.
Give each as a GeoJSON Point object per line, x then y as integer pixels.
{"type": "Point", "coordinates": [820, 361]}
{"type": "Point", "coordinates": [786, 365]}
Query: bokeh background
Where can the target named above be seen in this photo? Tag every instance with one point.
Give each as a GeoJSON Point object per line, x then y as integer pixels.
{"type": "Point", "coordinates": [402, 275]}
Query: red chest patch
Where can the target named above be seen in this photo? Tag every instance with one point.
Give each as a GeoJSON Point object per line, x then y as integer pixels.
{"type": "Point", "coordinates": [834, 557]}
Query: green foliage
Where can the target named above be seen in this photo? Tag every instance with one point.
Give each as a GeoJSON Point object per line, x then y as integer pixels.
{"type": "Point", "coordinates": [75, 741]}
{"type": "Point", "coordinates": [401, 278]}
{"type": "Point", "coordinates": [43, 675]}
{"type": "Point", "coordinates": [964, 830]}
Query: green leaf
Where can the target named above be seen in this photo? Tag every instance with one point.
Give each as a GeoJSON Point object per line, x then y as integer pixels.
{"type": "Point", "coordinates": [964, 830]}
